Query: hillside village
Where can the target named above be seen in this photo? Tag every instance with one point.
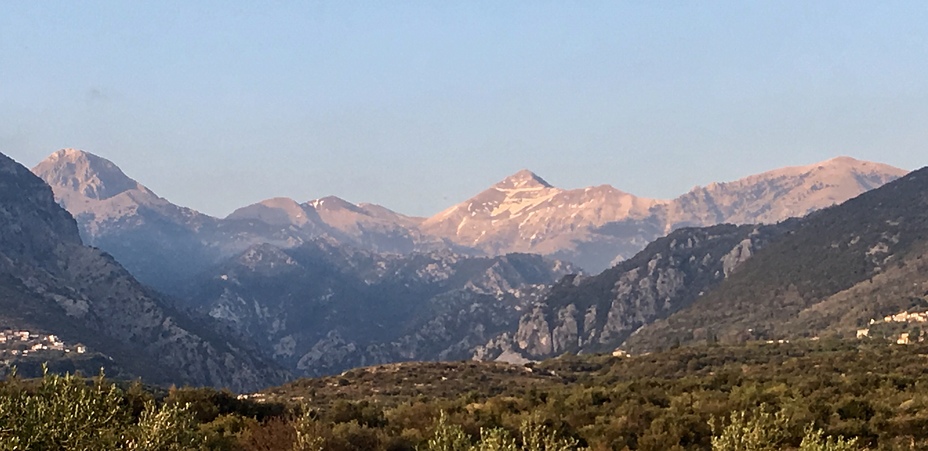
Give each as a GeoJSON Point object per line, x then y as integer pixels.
{"type": "Point", "coordinates": [24, 343]}
{"type": "Point", "coordinates": [901, 327]}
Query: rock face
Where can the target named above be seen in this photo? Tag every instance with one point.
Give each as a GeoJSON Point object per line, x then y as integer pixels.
{"type": "Point", "coordinates": [157, 241]}
{"type": "Point", "coordinates": [832, 272]}
{"type": "Point", "coordinates": [779, 194]}
{"type": "Point", "coordinates": [322, 307]}
{"type": "Point", "coordinates": [51, 283]}
{"type": "Point", "coordinates": [597, 314]}
{"type": "Point", "coordinates": [839, 269]}
{"type": "Point", "coordinates": [600, 226]}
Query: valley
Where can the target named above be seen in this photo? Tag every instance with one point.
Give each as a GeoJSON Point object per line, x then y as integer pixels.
{"type": "Point", "coordinates": [463, 226]}
{"type": "Point", "coordinates": [325, 285]}
{"type": "Point", "coordinates": [394, 334]}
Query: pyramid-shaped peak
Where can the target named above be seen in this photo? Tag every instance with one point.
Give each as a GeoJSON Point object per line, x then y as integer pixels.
{"type": "Point", "coordinates": [84, 173]}
{"type": "Point", "coordinates": [523, 179]}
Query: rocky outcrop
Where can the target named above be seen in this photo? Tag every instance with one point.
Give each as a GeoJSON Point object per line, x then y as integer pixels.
{"type": "Point", "coordinates": [596, 314]}
{"type": "Point", "coordinates": [828, 273]}
{"type": "Point", "coordinates": [84, 296]}
{"type": "Point", "coordinates": [321, 308]}
{"type": "Point", "coordinates": [836, 271]}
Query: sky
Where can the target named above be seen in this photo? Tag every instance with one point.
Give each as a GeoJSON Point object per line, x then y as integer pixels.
{"type": "Point", "coordinates": [417, 105]}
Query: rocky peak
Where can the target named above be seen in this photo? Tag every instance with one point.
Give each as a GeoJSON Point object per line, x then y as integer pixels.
{"type": "Point", "coordinates": [867, 175]}
{"type": "Point", "coordinates": [279, 211]}
{"type": "Point", "coordinates": [782, 193]}
{"type": "Point", "coordinates": [333, 203]}
{"type": "Point", "coordinates": [83, 173]}
{"type": "Point", "coordinates": [845, 160]}
{"type": "Point", "coordinates": [28, 212]}
{"type": "Point", "coordinates": [265, 257]}
{"type": "Point", "coordinates": [838, 170]}
{"type": "Point", "coordinates": [522, 180]}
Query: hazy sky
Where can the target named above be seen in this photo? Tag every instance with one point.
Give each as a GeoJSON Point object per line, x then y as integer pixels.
{"type": "Point", "coordinates": [418, 105]}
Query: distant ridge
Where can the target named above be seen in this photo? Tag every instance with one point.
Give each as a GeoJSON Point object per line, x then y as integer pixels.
{"type": "Point", "coordinates": [834, 272]}
{"type": "Point", "coordinates": [840, 269]}
{"type": "Point", "coordinates": [162, 243]}
{"type": "Point", "coordinates": [594, 227]}
{"type": "Point", "coordinates": [598, 226]}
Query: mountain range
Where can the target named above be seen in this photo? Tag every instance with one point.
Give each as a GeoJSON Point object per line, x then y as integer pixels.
{"type": "Point", "coordinates": [597, 227]}
{"type": "Point", "coordinates": [593, 228]}
{"type": "Point", "coordinates": [325, 285]}
{"type": "Point", "coordinates": [834, 272]}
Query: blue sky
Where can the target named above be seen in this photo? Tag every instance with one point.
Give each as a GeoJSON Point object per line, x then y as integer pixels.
{"type": "Point", "coordinates": [418, 105]}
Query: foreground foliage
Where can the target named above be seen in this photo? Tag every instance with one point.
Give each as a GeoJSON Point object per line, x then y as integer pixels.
{"type": "Point", "coordinates": [67, 413]}
{"type": "Point", "coordinates": [811, 396]}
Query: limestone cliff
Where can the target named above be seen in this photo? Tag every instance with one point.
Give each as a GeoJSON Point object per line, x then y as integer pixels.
{"type": "Point", "coordinates": [596, 314]}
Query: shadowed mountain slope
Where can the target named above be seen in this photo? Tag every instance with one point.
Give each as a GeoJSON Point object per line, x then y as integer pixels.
{"type": "Point", "coordinates": [841, 268]}
{"type": "Point", "coordinates": [50, 282]}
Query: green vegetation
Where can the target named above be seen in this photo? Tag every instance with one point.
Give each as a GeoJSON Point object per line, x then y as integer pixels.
{"type": "Point", "coordinates": [842, 267]}
{"type": "Point", "coordinates": [65, 412]}
{"type": "Point", "coordinates": [814, 395]}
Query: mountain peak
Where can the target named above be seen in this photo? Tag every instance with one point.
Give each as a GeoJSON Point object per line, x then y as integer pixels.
{"type": "Point", "coordinates": [523, 179]}
{"type": "Point", "coordinates": [849, 165]}
{"type": "Point", "coordinates": [279, 211]}
{"type": "Point", "coordinates": [70, 153]}
{"type": "Point", "coordinates": [842, 159]}
{"type": "Point", "coordinates": [280, 202]}
{"type": "Point", "coordinates": [81, 172]}
{"type": "Point", "coordinates": [332, 203]}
